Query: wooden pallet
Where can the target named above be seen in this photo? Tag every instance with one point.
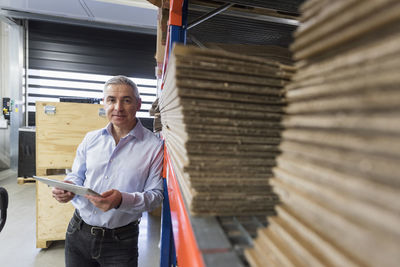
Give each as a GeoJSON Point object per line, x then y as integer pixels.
{"type": "Point", "coordinates": [23, 180]}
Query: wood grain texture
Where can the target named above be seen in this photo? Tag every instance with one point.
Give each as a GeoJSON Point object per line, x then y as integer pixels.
{"type": "Point", "coordinates": [52, 217]}
{"type": "Point", "coordinates": [57, 138]}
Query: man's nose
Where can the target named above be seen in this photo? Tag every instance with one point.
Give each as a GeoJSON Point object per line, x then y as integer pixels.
{"type": "Point", "coordinates": [118, 105]}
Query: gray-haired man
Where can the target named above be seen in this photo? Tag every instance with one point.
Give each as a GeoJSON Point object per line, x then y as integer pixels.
{"type": "Point", "coordinates": [124, 162]}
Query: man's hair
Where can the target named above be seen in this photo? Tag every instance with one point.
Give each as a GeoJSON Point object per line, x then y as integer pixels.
{"type": "Point", "coordinates": [120, 79]}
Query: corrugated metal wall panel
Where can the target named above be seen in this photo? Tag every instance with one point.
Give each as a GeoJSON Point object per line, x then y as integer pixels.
{"type": "Point", "coordinates": [63, 47]}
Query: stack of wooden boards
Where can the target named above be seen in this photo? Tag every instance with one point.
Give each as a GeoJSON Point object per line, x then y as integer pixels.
{"type": "Point", "coordinates": [338, 175]}
{"type": "Point", "coordinates": [271, 52]}
{"type": "Point", "coordinates": [221, 118]}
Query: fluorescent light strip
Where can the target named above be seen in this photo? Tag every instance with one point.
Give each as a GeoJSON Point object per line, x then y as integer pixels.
{"type": "Point", "coordinates": [34, 99]}
{"type": "Point", "coordinates": [143, 115]}
{"type": "Point", "coordinates": [139, 114]}
{"type": "Point", "coordinates": [85, 76]}
{"type": "Point", "coordinates": [147, 90]}
{"type": "Point", "coordinates": [61, 92]}
{"type": "Point", "coordinates": [147, 98]}
{"type": "Point", "coordinates": [68, 75]}
{"type": "Point", "coordinates": [71, 93]}
{"type": "Point", "coordinates": [65, 84]}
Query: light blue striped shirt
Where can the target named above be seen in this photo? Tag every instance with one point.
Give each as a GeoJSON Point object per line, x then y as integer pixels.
{"type": "Point", "coordinates": [133, 167]}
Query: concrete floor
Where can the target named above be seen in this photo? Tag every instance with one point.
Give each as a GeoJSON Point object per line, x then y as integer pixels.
{"type": "Point", "coordinates": [17, 239]}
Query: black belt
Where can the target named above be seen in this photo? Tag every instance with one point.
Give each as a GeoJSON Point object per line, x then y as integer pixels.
{"type": "Point", "coordinates": [102, 231]}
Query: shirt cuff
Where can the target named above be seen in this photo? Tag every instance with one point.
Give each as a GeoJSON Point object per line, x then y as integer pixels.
{"type": "Point", "coordinates": [127, 200]}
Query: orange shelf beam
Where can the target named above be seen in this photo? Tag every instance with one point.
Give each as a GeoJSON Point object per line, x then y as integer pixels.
{"type": "Point", "coordinates": [175, 12]}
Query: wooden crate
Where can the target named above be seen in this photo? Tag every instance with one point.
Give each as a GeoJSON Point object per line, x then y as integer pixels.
{"type": "Point", "coordinates": [57, 138]}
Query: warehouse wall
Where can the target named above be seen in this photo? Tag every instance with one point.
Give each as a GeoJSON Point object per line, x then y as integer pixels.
{"type": "Point", "coordinates": [11, 54]}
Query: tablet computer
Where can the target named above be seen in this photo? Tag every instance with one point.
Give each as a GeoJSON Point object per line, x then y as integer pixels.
{"type": "Point", "coordinates": [77, 189]}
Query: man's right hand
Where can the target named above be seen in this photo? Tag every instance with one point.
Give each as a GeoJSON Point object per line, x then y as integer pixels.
{"type": "Point", "coordinates": [61, 195]}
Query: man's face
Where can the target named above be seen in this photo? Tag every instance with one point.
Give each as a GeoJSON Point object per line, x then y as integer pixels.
{"type": "Point", "coordinates": [121, 105]}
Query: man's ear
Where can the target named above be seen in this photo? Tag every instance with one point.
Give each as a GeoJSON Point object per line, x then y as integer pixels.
{"type": "Point", "coordinates": [139, 104]}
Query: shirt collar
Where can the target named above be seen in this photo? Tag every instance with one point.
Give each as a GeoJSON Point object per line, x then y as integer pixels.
{"type": "Point", "coordinates": [137, 131]}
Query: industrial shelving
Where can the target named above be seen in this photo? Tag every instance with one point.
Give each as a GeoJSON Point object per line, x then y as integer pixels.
{"type": "Point", "coordinates": [198, 241]}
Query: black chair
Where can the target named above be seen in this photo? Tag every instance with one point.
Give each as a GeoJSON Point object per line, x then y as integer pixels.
{"type": "Point", "coordinates": [3, 207]}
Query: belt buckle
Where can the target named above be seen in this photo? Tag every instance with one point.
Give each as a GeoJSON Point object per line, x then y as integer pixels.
{"type": "Point", "coordinates": [97, 228]}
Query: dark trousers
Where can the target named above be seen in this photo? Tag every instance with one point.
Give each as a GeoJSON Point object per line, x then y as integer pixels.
{"type": "Point", "coordinates": [87, 246]}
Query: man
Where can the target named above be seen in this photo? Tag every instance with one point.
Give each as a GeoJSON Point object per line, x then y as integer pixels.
{"type": "Point", "coordinates": [123, 162]}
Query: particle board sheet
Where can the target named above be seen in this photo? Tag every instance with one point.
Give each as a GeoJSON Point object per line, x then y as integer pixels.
{"type": "Point", "coordinates": [221, 116]}
{"type": "Point", "coordinates": [337, 174]}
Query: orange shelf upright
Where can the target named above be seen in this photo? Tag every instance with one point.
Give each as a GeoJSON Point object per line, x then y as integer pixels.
{"type": "Point", "coordinates": [187, 251]}
{"type": "Point", "coordinates": [175, 12]}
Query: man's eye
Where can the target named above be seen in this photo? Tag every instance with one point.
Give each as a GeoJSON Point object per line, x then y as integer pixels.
{"type": "Point", "coordinates": [127, 101]}
{"type": "Point", "coordinates": [111, 100]}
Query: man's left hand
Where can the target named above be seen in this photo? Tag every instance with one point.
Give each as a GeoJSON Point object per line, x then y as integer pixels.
{"type": "Point", "coordinates": [108, 200]}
